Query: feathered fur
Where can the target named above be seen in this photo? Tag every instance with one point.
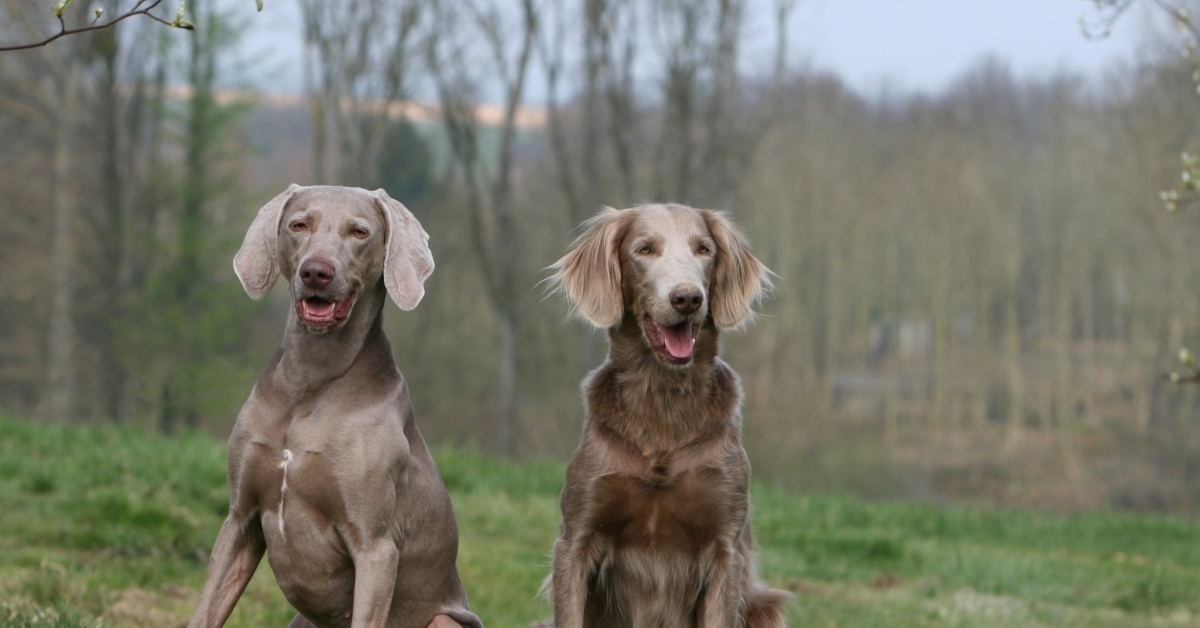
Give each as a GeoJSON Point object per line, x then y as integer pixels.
{"type": "Point", "coordinates": [656, 509]}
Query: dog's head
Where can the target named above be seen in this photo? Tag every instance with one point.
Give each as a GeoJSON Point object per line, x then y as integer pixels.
{"type": "Point", "coordinates": [667, 267]}
{"type": "Point", "coordinates": [332, 243]}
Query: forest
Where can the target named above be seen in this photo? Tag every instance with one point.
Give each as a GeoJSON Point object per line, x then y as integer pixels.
{"type": "Point", "coordinates": [980, 293]}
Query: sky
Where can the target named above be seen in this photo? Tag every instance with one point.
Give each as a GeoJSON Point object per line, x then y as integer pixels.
{"type": "Point", "coordinates": [922, 45]}
{"type": "Point", "coordinates": [903, 45]}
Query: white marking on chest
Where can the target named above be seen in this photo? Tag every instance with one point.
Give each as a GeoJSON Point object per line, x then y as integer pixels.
{"type": "Point", "coordinates": [287, 459]}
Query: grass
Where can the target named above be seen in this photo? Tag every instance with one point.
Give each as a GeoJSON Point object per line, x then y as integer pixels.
{"type": "Point", "coordinates": [108, 526]}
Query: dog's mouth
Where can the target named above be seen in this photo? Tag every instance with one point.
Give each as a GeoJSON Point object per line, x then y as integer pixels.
{"type": "Point", "coordinates": [320, 314]}
{"type": "Point", "coordinates": [674, 344]}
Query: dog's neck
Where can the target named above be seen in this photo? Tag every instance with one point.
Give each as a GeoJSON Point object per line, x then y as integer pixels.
{"type": "Point", "coordinates": [666, 406]}
{"type": "Point", "coordinates": [308, 361]}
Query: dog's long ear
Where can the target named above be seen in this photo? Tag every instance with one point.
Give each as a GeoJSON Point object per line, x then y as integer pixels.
{"type": "Point", "coordinates": [738, 279]}
{"type": "Point", "coordinates": [590, 272]}
{"type": "Point", "coordinates": [257, 262]}
{"type": "Point", "coordinates": [407, 262]}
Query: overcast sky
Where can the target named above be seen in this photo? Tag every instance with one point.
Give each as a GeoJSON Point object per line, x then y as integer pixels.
{"type": "Point", "coordinates": [908, 45]}
{"type": "Point", "coordinates": [921, 45]}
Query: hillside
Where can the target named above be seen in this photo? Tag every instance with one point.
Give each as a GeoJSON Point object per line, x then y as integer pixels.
{"type": "Point", "coordinates": [105, 525]}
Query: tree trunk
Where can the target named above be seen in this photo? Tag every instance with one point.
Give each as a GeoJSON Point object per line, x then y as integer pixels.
{"type": "Point", "coordinates": [60, 398]}
{"type": "Point", "coordinates": [1012, 341]}
{"type": "Point", "coordinates": [316, 104]}
{"type": "Point", "coordinates": [113, 385]}
{"type": "Point", "coordinates": [506, 368]}
{"type": "Point", "coordinates": [941, 389]}
{"type": "Point", "coordinates": [1065, 401]}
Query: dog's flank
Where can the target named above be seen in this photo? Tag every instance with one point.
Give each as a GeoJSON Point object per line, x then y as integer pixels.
{"type": "Point", "coordinates": [327, 444]}
{"type": "Point", "coordinates": [656, 510]}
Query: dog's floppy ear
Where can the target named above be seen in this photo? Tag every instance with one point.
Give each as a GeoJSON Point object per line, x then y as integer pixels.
{"type": "Point", "coordinates": [257, 262]}
{"type": "Point", "coordinates": [738, 278]}
{"type": "Point", "coordinates": [590, 272]}
{"type": "Point", "coordinates": [407, 262]}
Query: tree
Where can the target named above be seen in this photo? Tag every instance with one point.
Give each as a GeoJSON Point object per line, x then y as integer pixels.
{"type": "Point", "coordinates": [53, 107]}
{"type": "Point", "coordinates": [1187, 193]}
{"type": "Point", "coordinates": [404, 163]}
{"type": "Point", "coordinates": [488, 178]}
{"type": "Point", "coordinates": [358, 73]}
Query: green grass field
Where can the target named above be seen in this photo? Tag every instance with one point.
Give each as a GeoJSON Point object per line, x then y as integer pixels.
{"type": "Point", "coordinates": [109, 526]}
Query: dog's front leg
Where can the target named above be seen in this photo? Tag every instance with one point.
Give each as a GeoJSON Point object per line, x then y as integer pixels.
{"type": "Point", "coordinates": [375, 566]}
{"type": "Point", "coordinates": [723, 591]}
{"type": "Point", "coordinates": [235, 556]}
{"type": "Point", "coordinates": [573, 562]}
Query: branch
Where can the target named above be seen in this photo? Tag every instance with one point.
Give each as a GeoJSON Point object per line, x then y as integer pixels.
{"type": "Point", "coordinates": [1112, 10]}
{"type": "Point", "coordinates": [1101, 28]}
{"type": "Point", "coordinates": [552, 56]}
{"type": "Point", "coordinates": [1188, 360]}
{"type": "Point", "coordinates": [1181, 16]}
{"type": "Point", "coordinates": [1176, 378]}
{"type": "Point", "coordinates": [63, 31]}
{"type": "Point", "coordinates": [137, 9]}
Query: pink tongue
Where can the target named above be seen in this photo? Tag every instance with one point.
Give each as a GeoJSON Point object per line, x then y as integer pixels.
{"type": "Point", "coordinates": [318, 309]}
{"type": "Point", "coordinates": [679, 339]}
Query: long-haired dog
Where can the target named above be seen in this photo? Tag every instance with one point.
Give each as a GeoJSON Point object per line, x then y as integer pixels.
{"type": "Point", "coordinates": [656, 509]}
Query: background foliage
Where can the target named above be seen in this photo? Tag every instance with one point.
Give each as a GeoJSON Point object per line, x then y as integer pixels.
{"type": "Point", "coordinates": [978, 290]}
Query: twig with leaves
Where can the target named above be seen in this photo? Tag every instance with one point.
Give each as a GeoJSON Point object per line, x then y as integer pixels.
{"type": "Point", "coordinates": [140, 7]}
{"type": "Point", "coordinates": [1188, 191]}
{"type": "Point", "coordinates": [1188, 360]}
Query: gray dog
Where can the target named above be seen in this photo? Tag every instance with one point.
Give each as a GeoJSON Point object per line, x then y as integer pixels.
{"type": "Point", "coordinates": [327, 469]}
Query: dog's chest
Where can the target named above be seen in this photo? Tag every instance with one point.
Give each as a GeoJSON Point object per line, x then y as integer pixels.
{"type": "Point", "coordinates": [288, 482]}
{"type": "Point", "coordinates": [681, 512]}
{"type": "Point", "coordinates": [300, 507]}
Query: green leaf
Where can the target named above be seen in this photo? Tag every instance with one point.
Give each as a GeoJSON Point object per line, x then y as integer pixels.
{"type": "Point", "coordinates": [259, 3]}
{"type": "Point", "coordinates": [61, 6]}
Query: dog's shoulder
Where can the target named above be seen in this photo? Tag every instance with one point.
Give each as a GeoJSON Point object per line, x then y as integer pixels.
{"type": "Point", "coordinates": [724, 377]}
{"type": "Point", "coordinates": [726, 389]}
{"type": "Point", "coordinates": [601, 390]}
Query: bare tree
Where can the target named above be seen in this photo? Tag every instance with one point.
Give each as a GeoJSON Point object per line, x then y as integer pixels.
{"type": "Point", "coordinates": [363, 50]}
{"type": "Point", "coordinates": [601, 87]}
{"type": "Point", "coordinates": [86, 98]}
{"type": "Point", "coordinates": [1187, 193]}
{"type": "Point", "coordinates": [47, 93]}
{"type": "Point", "coordinates": [704, 135]}
{"type": "Point", "coordinates": [488, 178]}
{"type": "Point", "coordinates": [61, 389]}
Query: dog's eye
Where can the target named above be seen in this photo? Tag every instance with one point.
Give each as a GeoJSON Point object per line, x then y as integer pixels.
{"type": "Point", "coordinates": [359, 233]}
{"type": "Point", "coordinates": [298, 226]}
{"type": "Point", "coordinates": [645, 250]}
{"type": "Point", "coordinates": [704, 250]}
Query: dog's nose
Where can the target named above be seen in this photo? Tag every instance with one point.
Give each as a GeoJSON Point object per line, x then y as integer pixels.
{"type": "Point", "coordinates": [316, 274]}
{"type": "Point", "coordinates": [686, 299]}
